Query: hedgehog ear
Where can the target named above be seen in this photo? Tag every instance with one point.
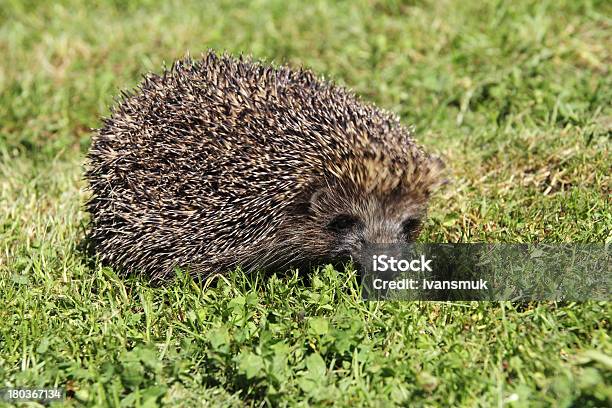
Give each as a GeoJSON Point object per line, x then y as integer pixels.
{"type": "Point", "coordinates": [307, 200]}
{"type": "Point", "coordinates": [316, 196]}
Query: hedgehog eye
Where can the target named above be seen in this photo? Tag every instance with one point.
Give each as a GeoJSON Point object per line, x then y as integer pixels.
{"type": "Point", "coordinates": [342, 222]}
{"type": "Point", "coordinates": [411, 226]}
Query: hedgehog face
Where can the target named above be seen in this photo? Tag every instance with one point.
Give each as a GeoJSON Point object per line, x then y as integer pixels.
{"type": "Point", "coordinates": [341, 223]}
{"type": "Point", "coordinates": [363, 221]}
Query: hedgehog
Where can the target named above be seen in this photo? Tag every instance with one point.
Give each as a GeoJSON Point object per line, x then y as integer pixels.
{"type": "Point", "coordinates": [223, 162]}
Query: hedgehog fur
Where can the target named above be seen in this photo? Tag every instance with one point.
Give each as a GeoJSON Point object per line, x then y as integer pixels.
{"type": "Point", "coordinates": [223, 162]}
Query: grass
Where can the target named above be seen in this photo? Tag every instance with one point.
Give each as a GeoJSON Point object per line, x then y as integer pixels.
{"type": "Point", "coordinates": [516, 96]}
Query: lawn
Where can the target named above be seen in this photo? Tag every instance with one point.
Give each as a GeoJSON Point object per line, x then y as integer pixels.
{"type": "Point", "coordinates": [516, 96]}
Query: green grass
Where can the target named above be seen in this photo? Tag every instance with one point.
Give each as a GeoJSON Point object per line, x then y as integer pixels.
{"type": "Point", "coordinates": [516, 96]}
